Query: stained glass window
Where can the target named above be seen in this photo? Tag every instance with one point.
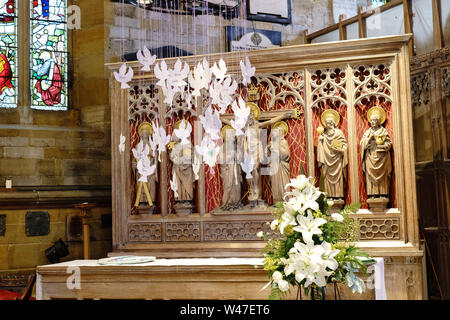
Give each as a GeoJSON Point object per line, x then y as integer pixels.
{"type": "Point", "coordinates": [8, 54]}
{"type": "Point", "coordinates": [49, 54]}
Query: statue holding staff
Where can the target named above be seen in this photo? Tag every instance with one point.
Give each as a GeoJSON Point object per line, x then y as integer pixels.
{"type": "Point", "coordinates": [332, 155]}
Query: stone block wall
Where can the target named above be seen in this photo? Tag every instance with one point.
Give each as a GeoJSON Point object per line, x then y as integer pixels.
{"type": "Point", "coordinates": [59, 157]}
{"type": "Point", "coordinates": [130, 28]}
{"type": "Point", "coordinates": [20, 252]}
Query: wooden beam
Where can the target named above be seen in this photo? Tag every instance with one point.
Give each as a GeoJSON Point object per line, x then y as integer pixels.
{"type": "Point", "coordinates": [354, 19]}
{"type": "Point", "coordinates": [342, 29]}
{"type": "Point", "coordinates": [437, 25]}
{"type": "Point", "coordinates": [407, 18]}
{"type": "Point", "coordinates": [362, 31]}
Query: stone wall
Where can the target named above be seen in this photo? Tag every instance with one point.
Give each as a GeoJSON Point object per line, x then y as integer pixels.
{"type": "Point", "coordinates": [130, 28]}
{"type": "Point", "coordinates": [58, 158]}
{"type": "Point", "coordinates": [19, 251]}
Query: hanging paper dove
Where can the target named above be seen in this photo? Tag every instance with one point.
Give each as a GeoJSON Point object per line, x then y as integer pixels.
{"type": "Point", "coordinates": [196, 166]}
{"type": "Point", "coordinates": [145, 58]}
{"type": "Point", "coordinates": [209, 150]}
{"type": "Point", "coordinates": [248, 165]}
{"type": "Point", "coordinates": [199, 78]}
{"type": "Point", "coordinates": [161, 73]}
{"type": "Point", "coordinates": [222, 93]}
{"type": "Point", "coordinates": [179, 73]}
{"type": "Point", "coordinates": [163, 141]}
{"type": "Point", "coordinates": [145, 169]}
{"type": "Point", "coordinates": [184, 132]}
{"type": "Point", "coordinates": [174, 184]}
{"type": "Point", "coordinates": [140, 152]}
{"type": "Point", "coordinates": [220, 71]}
{"type": "Point", "coordinates": [122, 143]}
{"type": "Point", "coordinates": [241, 113]}
{"type": "Point", "coordinates": [247, 71]}
{"type": "Point", "coordinates": [124, 76]}
{"type": "Point", "coordinates": [211, 123]}
{"type": "Point", "coordinates": [153, 144]}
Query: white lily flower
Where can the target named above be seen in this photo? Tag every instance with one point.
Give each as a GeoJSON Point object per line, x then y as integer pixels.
{"type": "Point", "coordinates": [283, 285]}
{"type": "Point", "coordinates": [298, 183]}
{"type": "Point", "coordinates": [277, 276]}
{"type": "Point", "coordinates": [287, 219]}
{"type": "Point", "coordinates": [274, 224]}
{"type": "Point", "coordinates": [260, 234]}
{"type": "Point", "coordinates": [309, 226]}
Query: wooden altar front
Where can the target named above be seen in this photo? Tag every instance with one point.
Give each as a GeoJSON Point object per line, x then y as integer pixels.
{"type": "Point", "coordinates": [347, 76]}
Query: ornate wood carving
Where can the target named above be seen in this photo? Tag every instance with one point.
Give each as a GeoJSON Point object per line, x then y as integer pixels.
{"type": "Point", "coordinates": [372, 80]}
{"type": "Point", "coordinates": [379, 229]}
{"type": "Point", "coordinates": [183, 231]}
{"type": "Point", "coordinates": [420, 90]}
{"type": "Point", "coordinates": [145, 232]}
{"type": "Point", "coordinates": [445, 81]}
{"type": "Point", "coordinates": [281, 86]}
{"type": "Point", "coordinates": [328, 84]}
{"type": "Point", "coordinates": [234, 231]}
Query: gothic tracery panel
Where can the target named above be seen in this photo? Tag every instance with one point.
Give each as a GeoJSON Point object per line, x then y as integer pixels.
{"type": "Point", "coordinates": [328, 92]}
{"type": "Point", "coordinates": [373, 88]}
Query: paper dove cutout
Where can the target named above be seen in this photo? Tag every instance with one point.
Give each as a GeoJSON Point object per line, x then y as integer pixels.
{"type": "Point", "coordinates": [247, 71]}
{"type": "Point", "coordinates": [122, 143]}
{"type": "Point", "coordinates": [161, 73]}
{"type": "Point", "coordinates": [241, 113]}
{"type": "Point", "coordinates": [171, 81]}
{"type": "Point", "coordinates": [146, 59]}
{"type": "Point", "coordinates": [141, 152]}
{"type": "Point", "coordinates": [196, 166]}
{"type": "Point", "coordinates": [248, 165]}
{"type": "Point", "coordinates": [222, 93]}
{"type": "Point", "coordinates": [220, 71]}
{"type": "Point", "coordinates": [200, 77]}
{"type": "Point", "coordinates": [145, 169]}
{"type": "Point", "coordinates": [211, 123]}
{"type": "Point", "coordinates": [153, 144]}
{"type": "Point", "coordinates": [209, 150]}
{"type": "Point", "coordinates": [160, 138]}
{"type": "Point", "coordinates": [184, 132]}
{"type": "Point", "coordinates": [174, 184]}
{"type": "Point", "coordinates": [124, 76]}
{"type": "Point", "coordinates": [143, 162]}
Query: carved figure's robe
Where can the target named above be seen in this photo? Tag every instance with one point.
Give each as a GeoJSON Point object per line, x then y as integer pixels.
{"type": "Point", "coordinates": [332, 162]}
{"type": "Point", "coordinates": [282, 177]}
{"type": "Point", "coordinates": [181, 157]}
{"type": "Point", "coordinates": [376, 161]}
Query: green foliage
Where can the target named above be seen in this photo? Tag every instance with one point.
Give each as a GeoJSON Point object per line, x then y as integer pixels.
{"type": "Point", "coordinates": [341, 236]}
{"type": "Point", "coordinates": [277, 294]}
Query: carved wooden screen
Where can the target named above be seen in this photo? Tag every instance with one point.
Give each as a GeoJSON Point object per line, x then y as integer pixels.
{"type": "Point", "coordinates": [310, 79]}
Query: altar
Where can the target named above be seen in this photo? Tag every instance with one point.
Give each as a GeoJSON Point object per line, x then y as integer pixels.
{"type": "Point", "coordinates": [200, 278]}
{"type": "Point", "coordinates": [351, 96]}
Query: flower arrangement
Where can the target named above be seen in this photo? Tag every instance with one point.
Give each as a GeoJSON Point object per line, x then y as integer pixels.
{"type": "Point", "coordinates": [310, 251]}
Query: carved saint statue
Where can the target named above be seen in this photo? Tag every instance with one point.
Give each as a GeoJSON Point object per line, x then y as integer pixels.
{"type": "Point", "coordinates": [280, 148]}
{"type": "Point", "coordinates": [231, 170]}
{"type": "Point", "coordinates": [146, 192]}
{"type": "Point", "coordinates": [181, 157]}
{"type": "Point", "coordinates": [332, 154]}
{"type": "Point", "coordinates": [375, 153]}
{"type": "Point", "coordinates": [254, 149]}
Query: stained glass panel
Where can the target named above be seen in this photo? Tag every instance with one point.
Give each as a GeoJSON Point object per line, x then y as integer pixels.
{"type": "Point", "coordinates": [49, 54]}
{"type": "Point", "coordinates": [8, 54]}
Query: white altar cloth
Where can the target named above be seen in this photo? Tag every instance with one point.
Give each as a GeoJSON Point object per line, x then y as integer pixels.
{"type": "Point", "coordinates": [378, 273]}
